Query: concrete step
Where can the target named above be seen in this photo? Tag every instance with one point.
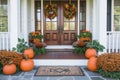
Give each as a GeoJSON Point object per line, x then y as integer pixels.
{"type": "Point", "coordinates": [60, 62]}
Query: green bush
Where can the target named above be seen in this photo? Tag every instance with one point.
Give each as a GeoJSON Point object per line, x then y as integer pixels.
{"type": "Point", "coordinates": [79, 50]}
{"type": "Point", "coordinates": [21, 46]}
{"type": "Point", "coordinates": [96, 45]}
{"type": "Point", "coordinates": [39, 50]}
{"type": "Point", "coordinates": [108, 74]}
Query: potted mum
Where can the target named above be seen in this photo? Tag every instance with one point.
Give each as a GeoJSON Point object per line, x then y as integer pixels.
{"type": "Point", "coordinates": [35, 41]}
{"type": "Point", "coordinates": [84, 37]}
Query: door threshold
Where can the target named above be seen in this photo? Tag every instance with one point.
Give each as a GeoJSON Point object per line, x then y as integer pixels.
{"type": "Point", "coordinates": [59, 47]}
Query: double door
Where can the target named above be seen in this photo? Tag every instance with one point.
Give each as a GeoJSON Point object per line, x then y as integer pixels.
{"type": "Point", "coordinates": [60, 30]}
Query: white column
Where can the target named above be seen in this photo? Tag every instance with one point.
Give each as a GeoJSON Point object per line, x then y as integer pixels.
{"type": "Point", "coordinates": [42, 19]}
{"type": "Point", "coordinates": [102, 21]}
{"type": "Point", "coordinates": [94, 19]}
{"type": "Point", "coordinates": [112, 19]}
{"type": "Point", "coordinates": [78, 17]}
{"type": "Point", "coordinates": [32, 15]}
{"type": "Point", "coordinates": [88, 15]}
{"type": "Point", "coordinates": [25, 19]}
{"type": "Point", "coordinates": [14, 21]}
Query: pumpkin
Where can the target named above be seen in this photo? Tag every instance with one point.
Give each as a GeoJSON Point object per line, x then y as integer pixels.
{"type": "Point", "coordinates": [29, 52]}
{"type": "Point", "coordinates": [26, 64]}
{"type": "Point", "coordinates": [90, 52]}
{"type": "Point", "coordinates": [92, 64]}
{"type": "Point", "coordinates": [9, 69]}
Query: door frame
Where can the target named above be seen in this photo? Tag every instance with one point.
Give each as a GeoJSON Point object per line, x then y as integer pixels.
{"type": "Point", "coordinates": [78, 18]}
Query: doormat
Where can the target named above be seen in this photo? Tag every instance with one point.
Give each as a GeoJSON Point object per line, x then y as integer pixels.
{"type": "Point", "coordinates": [59, 71]}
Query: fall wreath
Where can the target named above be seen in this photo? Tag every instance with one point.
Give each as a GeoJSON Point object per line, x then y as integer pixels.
{"type": "Point", "coordinates": [51, 11]}
{"type": "Point", "coordinates": [69, 10]}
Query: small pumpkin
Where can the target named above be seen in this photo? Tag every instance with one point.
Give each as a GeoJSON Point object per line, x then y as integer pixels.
{"type": "Point", "coordinates": [29, 52]}
{"type": "Point", "coordinates": [9, 69]}
{"type": "Point", "coordinates": [90, 52]}
{"type": "Point", "coordinates": [92, 64]}
{"type": "Point", "coordinates": [26, 64]}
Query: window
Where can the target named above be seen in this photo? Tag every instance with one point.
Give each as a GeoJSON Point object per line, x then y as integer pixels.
{"type": "Point", "coordinates": [82, 14]}
{"type": "Point", "coordinates": [51, 24]}
{"type": "Point", "coordinates": [38, 15]}
{"type": "Point", "coordinates": [69, 24]}
{"type": "Point", "coordinates": [116, 22]}
{"type": "Point", "coordinates": [3, 16]}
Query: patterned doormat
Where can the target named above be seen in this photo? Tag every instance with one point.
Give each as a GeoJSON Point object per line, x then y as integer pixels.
{"type": "Point", "coordinates": [59, 71]}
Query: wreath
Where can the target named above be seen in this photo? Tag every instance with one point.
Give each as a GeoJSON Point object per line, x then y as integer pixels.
{"type": "Point", "coordinates": [51, 11]}
{"type": "Point", "coordinates": [69, 10]}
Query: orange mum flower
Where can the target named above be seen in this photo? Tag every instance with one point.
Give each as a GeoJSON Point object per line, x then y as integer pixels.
{"type": "Point", "coordinates": [36, 40]}
{"type": "Point", "coordinates": [33, 33]}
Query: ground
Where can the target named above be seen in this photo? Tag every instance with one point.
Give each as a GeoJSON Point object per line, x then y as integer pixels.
{"type": "Point", "coordinates": [30, 76]}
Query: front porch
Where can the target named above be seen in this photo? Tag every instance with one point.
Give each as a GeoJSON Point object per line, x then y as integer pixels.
{"type": "Point", "coordinates": [26, 16]}
{"type": "Point", "coordinates": [22, 21]}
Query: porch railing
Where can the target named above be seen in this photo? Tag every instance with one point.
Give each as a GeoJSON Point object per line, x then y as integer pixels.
{"type": "Point", "coordinates": [4, 41]}
{"type": "Point", "coordinates": [113, 41]}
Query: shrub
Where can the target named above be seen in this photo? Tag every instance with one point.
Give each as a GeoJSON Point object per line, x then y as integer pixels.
{"type": "Point", "coordinates": [8, 56]}
{"type": "Point", "coordinates": [21, 46]}
{"type": "Point", "coordinates": [109, 65]}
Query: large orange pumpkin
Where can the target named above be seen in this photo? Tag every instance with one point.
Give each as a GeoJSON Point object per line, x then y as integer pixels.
{"type": "Point", "coordinates": [90, 52]}
{"type": "Point", "coordinates": [29, 52]}
{"type": "Point", "coordinates": [92, 66]}
{"type": "Point", "coordinates": [26, 65]}
{"type": "Point", "coordinates": [9, 69]}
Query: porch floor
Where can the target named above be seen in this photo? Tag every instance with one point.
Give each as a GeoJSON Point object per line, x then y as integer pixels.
{"type": "Point", "coordinates": [60, 55]}
{"type": "Point", "coordinates": [88, 75]}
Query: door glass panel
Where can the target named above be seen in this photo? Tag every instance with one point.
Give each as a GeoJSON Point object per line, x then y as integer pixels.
{"type": "Point", "coordinates": [38, 16]}
{"type": "Point", "coordinates": [82, 25]}
{"type": "Point", "coordinates": [38, 26]}
{"type": "Point", "coordinates": [48, 25]}
{"type": "Point", "coordinates": [82, 16]}
{"type": "Point", "coordinates": [66, 26]}
{"type": "Point", "coordinates": [72, 25]}
{"type": "Point", "coordinates": [51, 24]}
{"type": "Point", "coordinates": [54, 25]}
